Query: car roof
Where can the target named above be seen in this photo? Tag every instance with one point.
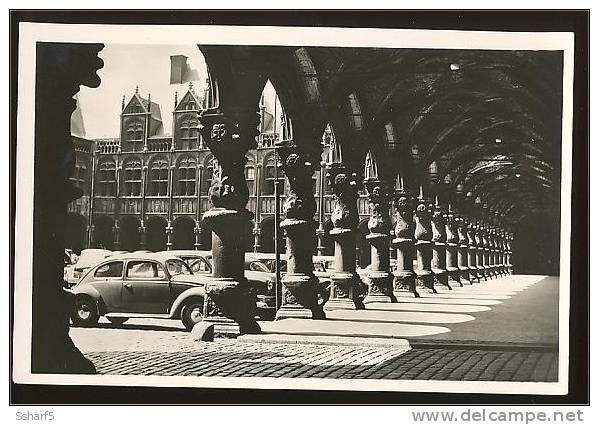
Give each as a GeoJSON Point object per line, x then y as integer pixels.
{"type": "Point", "coordinates": [263, 256]}
{"type": "Point", "coordinates": [157, 256]}
{"type": "Point", "coordinates": [191, 252]}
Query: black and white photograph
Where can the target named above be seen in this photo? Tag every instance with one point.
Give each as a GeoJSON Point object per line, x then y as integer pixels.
{"type": "Point", "coordinates": [293, 208]}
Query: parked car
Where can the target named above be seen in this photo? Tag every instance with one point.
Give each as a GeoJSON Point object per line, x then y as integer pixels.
{"type": "Point", "coordinates": [154, 285]}
{"type": "Point", "coordinates": [264, 263]}
{"type": "Point", "coordinates": [87, 259]}
{"type": "Point", "coordinates": [200, 262]}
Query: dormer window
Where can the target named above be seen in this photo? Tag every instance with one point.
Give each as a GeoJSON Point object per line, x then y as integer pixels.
{"type": "Point", "coordinates": [191, 106]}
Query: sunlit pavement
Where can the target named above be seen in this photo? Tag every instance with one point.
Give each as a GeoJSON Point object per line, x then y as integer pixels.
{"type": "Point", "coordinates": [504, 330]}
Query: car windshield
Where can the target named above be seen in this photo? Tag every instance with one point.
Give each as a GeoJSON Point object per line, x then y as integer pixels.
{"type": "Point", "coordinates": [176, 267]}
{"type": "Point", "coordinates": [271, 265]}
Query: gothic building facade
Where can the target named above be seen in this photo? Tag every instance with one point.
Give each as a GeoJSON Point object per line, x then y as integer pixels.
{"type": "Point", "coordinates": [148, 190]}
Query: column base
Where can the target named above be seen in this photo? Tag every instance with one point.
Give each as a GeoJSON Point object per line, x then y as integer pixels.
{"type": "Point", "coordinates": [472, 275]}
{"type": "Point", "coordinates": [465, 276]}
{"type": "Point", "coordinates": [379, 288]}
{"type": "Point", "coordinates": [404, 284]}
{"type": "Point", "coordinates": [425, 283]}
{"type": "Point", "coordinates": [224, 327]}
{"type": "Point", "coordinates": [453, 278]}
{"type": "Point", "coordinates": [300, 300]}
{"type": "Point", "coordinates": [440, 280]}
{"type": "Point", "coordinates": [480, 273]}
{"type": "Point", "coordinates": [230, 306]}
{"type": "Point", "coordinates": [343, 293]}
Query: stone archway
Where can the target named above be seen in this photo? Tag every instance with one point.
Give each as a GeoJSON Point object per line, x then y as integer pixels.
{"type": "Point", "coordinates": [183, 233]}
{"type": "Point", "coordinates": [130, 238]}
{"type": "Point", "coordinates": [103, 232]}
{"type": "Point", "coordinates": [155, 234]}
{"type": "Point", "coordinates": [75, 232]}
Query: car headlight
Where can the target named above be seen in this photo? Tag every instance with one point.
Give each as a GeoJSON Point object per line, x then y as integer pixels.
{"type": "Point", "coordinates": [270, 285]}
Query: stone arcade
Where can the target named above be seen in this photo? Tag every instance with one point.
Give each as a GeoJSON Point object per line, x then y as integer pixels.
{"type": "Point", "coordinates": [458, 147]}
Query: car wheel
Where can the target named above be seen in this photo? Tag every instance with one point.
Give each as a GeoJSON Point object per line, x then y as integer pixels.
{"type": "Point", "coordinates": [117, 320]}
{"type": "Point", "coordinates": [85, 312]}
{"type": "Point", "coordinates": [192, 312]}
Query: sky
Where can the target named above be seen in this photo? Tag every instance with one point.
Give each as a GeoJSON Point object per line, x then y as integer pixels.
{"type": "Point", "coordinates": [147, 66]}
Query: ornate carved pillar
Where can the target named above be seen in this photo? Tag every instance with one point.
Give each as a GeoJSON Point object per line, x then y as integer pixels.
{"type": "Point", "coordinates": [451, 249]}
{"type": "Point", "coordinates": [422, 235]}
{"type": "Point", "coordinates": [404, 281]}
{"type": "Point", "coordinates": [61, 69]}
{"type": "Point", "coordinates": [380, 287]}
{"type": "Point", "coordinates": [496, 263]}
{"type": "Point", "coordinates": [229, 302]}
{"type": "Point", "coordinates": [344, 280]}
{"type": "Point", "coordinates": [480, 249]}
{"type": "Point", "coordinates": [439, 238]}
{"type": "Point", "coordinates": [462, 224]}
{"type": "Point", "coordinates": [486, 251]}
{"type": "Point", "coordinates": [472, 258]}
{"type": "Point", "coordinates": [142, 224]}
{"type": "Point", "coordinates": [510, 266]}
{"type": "Point", "coordinates": [299, 298]}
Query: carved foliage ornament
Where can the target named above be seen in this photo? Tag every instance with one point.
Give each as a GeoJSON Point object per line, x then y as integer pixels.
{"type": "Point", "coordinates": [378, 198]}
{"type": "Point", "coordinates": [404, 215]}
{"type": "Point", "coordinates": [345, 189]}
{"type": "Point", "coordinates": [229, 138]}
{"type": "Point", "coordinates": [300, 203]}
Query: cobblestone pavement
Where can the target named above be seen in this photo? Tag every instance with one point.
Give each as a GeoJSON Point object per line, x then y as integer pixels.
{"type": "Point", "coordinates": [149, 352]}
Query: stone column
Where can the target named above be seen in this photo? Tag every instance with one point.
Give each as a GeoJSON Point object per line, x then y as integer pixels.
{"type": "Point", "coordinates": [404, 278]}
{"type": "Point", "coordinates": [422, 236]}
{"type": "Point", "coordinates": [380, 287]}
{"type": "Point", "coordinates": [510, 266]}
{"type": "Point", "coordinates": [345, 281]}
{"type": "Point", "coordinates": [472, 259]}
{"type": "Point", "coordinates": [486, 251]}
{"type": "Point", "coordinates": [479, 252]}
{"type": "Point", "coordinates": [229, 303]}
{"type": "Point", "coordinates": [451, 250]}
{"type": "Point", "coordinates": [494, 259]}
{"type": "Point", "coordinates": [438, 239]}
{"type": "Point", "coordinates": [463, 251]}
{"type": "Point", "coordinates": [299, 298]}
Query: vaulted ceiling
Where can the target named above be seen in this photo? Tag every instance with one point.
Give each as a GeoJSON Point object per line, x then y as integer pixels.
{"type": "Point", "coordinates": [489, 121]}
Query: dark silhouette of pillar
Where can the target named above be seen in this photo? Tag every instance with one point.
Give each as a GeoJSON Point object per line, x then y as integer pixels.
{"type": "Point", "coordinates": [61, 68]}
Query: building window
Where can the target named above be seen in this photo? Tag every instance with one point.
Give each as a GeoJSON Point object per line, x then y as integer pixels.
{"type": "Point", "coordinates": [79, 177]}
{"type": "Point", "coordinates": [159, 178]}
{"type": "Point", "coordinates": [250, 178]}
{"type": "Point", "coordinates": [269, 179]}
{"type": "Point", "coordinates": [107, 179]}
{"type": "Point", "coordinates": [188, 134]}
{"type": "Point", "coordinates": [132, 178]}
{"type": "Point", "coordinates": [135, 132]}
{"type": "Point", "coordinates": [187, 177]}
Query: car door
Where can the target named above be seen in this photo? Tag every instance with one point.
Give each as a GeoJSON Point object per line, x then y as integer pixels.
{"type": "Point", "coordinates": [108, 281]}
{"type": "Point", "coordinates": [146, 288]}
